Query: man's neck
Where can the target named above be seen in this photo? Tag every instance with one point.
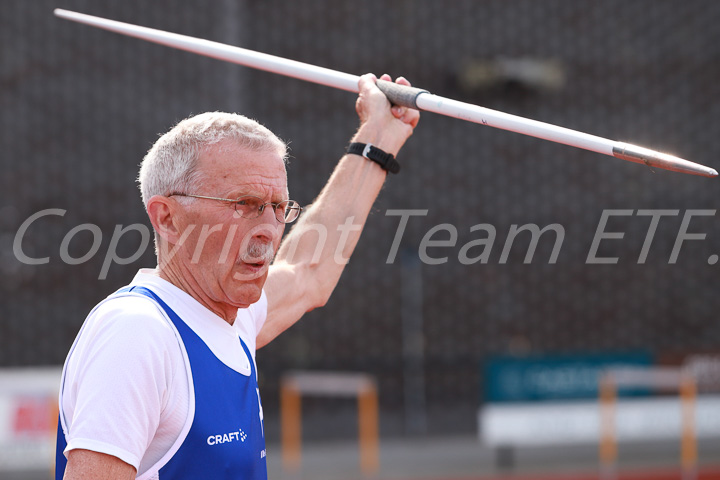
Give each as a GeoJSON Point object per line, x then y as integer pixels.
{"type": "Point", "coordinates": [170, 273]}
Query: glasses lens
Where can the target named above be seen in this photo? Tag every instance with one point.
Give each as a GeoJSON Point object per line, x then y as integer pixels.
{"type": "Point", "coordinates": [287, 211]}
{"type": "Point", "coordinates": [248, 207]}
{"type": "Point", "coordinates": [251, 207]}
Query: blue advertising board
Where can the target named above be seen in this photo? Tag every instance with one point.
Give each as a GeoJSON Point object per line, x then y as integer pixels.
{"type": "Point", "coordinates": [555, 377]}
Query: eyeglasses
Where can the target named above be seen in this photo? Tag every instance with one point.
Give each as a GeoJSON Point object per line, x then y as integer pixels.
{"type": "Point", "coordinates": [251, 207]}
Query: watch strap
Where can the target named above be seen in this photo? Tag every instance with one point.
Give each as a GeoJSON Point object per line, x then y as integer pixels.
{"type": "Point", "coordinates": [371, 152]}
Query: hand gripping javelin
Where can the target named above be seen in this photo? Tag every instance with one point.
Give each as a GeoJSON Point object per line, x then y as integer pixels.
{"type": "Point", "coordinates": [398, 95]}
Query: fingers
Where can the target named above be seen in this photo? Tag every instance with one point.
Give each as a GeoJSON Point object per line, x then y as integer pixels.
{"type": "Point", "coordinates": [369, 79]}
{"type": "Point", "coordinates": [366, 81]}
{"type": "Point", "coordinates": [397, 111]}
{"type": "Point", "coordinates": [411, 117]}
{"type": "Point", "coordinates": [368, 88]}
{"type": "Point", "coordinates": [407, 115]}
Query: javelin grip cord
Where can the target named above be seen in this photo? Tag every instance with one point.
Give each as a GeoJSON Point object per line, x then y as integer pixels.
{"type": "Point", "coordinates": [401, 95]}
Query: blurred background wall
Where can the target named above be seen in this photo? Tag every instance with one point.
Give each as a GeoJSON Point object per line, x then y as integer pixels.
{"type": "Point", "coordinates": [79, 108]}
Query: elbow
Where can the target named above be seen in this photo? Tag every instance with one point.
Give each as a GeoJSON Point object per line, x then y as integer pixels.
{"type": "Point", "coordinates": [313, 285]}
{"type": "Point", "coordinates": [319, 299]}
{"type": "Point", "coordinates": [321, 288]}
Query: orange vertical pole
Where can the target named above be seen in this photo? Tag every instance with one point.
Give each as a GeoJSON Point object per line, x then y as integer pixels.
{"type": "Point", "coordinates": [291, 436]}
{"type": "Point", "coordinates": [608, 443]}
{"type": "Point", "coordinates": [688, 445]}
{"type": "Point", "coordinates": [368, 430]}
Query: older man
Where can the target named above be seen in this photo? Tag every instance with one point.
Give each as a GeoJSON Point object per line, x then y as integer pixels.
{"type": "Point", "coordinates": [161, 381]}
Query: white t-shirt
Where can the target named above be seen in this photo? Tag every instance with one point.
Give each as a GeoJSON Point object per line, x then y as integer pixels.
{"type": "Point", "coordinates": [127, 389]}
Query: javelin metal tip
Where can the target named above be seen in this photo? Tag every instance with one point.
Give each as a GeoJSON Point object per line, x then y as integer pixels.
{"type": "Point", "coordinates": [651, 158]}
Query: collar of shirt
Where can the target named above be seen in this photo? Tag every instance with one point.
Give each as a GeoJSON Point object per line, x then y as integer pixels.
{"type": "Point", "coordinates": [218, 335]}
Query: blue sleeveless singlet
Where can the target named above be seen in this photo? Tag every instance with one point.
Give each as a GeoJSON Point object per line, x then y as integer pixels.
{"type": "Point", "coordinates": [226, 439]}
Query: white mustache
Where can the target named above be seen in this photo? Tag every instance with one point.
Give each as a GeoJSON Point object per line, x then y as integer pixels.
{"type": "Point", "coordinates": [259, 252]}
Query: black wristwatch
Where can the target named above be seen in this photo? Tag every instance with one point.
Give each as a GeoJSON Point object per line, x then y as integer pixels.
{"type": "Point", "coordinates": [371, 152]}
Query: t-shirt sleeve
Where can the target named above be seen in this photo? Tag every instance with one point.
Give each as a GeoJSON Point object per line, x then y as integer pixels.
{"type": "Point", "coordinates": [117, 379]}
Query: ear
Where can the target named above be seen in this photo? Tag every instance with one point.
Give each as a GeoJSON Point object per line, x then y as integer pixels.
{"type": "Point", "coordinates": [164, 218]}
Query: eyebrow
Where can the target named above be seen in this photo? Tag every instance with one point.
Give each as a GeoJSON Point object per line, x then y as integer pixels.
{"type": "Point", "coordinates": [235, 196]}
{"type": "Point", "coordinates": [238, 192]}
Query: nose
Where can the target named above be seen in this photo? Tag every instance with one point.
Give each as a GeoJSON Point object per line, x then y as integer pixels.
{"type": "Point", "coordinates": [268, 230]}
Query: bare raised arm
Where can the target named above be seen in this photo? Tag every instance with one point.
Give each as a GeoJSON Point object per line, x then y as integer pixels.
{"type": "Point", "coordinates": [313, 255]}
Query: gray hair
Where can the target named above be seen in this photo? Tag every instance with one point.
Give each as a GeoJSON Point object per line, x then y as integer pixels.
{"type": "Point", "coordinates": [171, 164]}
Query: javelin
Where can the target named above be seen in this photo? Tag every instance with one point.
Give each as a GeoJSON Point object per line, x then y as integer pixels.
{"type": "Point", "coordinates": [397, 94]}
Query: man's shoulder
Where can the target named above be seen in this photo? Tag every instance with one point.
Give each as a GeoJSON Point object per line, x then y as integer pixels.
{"type": "Point", "coordinates": [129, 312]}
{"type": "Point", "coordinates": [128, 304]}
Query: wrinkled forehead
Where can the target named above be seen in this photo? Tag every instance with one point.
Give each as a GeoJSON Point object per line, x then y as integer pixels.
{"type": "Point", "coordinates": [227, 166]}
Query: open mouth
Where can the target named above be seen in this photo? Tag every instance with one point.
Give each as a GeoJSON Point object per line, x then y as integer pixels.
{"type": "Point", "coordinates": [250, 271]}
{"type": "Point", "coordinates": [257, 265]}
